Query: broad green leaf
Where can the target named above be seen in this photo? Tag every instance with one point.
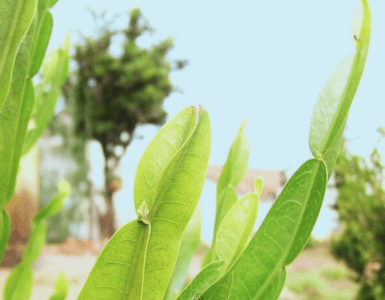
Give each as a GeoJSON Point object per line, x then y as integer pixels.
{"type": "Point", "coordinates": [43, 36]}
{"type": "Point", "coordinates": [55, 72]}
{"type": "Point", "coordinates": [14, 118]}
{"type": "Point", "coordinates": [275, 288]}
{"type": "Point", "coordinates": [332, 108]}
{"type": "Point", "coordinates": [235, 229]}
{"type": "Point", "coordinates": [159, 154]}
{"type": "Point", "coordinates": [170, 207]}
{"type": "Point", "coordinates": [188, 247]}
{"type": "Point", "coordinates": [220, 290]}
{"type": "Point", "coordinates": [36, 242]}
{"type": "Point", "coordinates": [18, 285]}
{"type": "Point", "coordinates": [4, 233]}
{"type": "Point", "coordinates": [16, 18]}
{"type": "Point", "coordinates": [283, 233]}
{"type": "Point", "coordinates": [203, 281]}
{"type": "Point", "coordinates": [56, 204]}
{"type": "Point", "coordinates": [61, 287]}
{"type": "Point", "coordinates": [109, 276]}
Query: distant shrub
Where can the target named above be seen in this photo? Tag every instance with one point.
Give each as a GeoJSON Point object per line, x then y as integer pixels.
{"type": "Point", "coordinates": [361, 208]}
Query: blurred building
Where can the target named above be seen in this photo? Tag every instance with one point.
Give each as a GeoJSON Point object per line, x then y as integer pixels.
{"type": "Point", "coordinates": [274, 180]}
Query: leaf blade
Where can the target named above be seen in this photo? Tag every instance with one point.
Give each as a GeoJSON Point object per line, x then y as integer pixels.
{"type": "Point", "coordinates": [283, 233]}
{"type": "Point", "coordinates": [332, 108]}
{"type": "Point", "coordinates": [16, 19]}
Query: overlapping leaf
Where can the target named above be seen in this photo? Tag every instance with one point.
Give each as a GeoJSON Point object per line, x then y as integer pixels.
{"type": "Point", "coordinates": [232, 174]}
{"type": "Point", "coordinates": [283, 233]}
{"type": "Point", "coordinates": [16, 17]}
{"type": "Point", "coordinates": [188, 247]}
{"type": "Point", "coordinates": [332, 108]}
{"type": "Point", "coordinates": [166, 195]}
{"type": "Point", "coordinates": [54, 74]}
{"type": "Point", "coordinates": [206, 278]}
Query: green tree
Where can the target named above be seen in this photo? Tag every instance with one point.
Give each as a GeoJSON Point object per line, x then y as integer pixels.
{"type": "Point", "coordinates": [109, 96]}
{"type": "Point", "coordinates": [361, 208]}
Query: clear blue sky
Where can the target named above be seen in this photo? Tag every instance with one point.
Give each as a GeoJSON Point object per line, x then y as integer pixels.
{"type": "Point", "coordinates": [264, 60]}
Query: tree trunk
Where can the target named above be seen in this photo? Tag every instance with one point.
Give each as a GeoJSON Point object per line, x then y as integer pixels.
{"type": "Point", "coordinates": [113, 183]}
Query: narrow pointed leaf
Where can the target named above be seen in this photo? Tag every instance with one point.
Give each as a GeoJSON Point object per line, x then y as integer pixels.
{"type": "Point", "coordinates": [332, 108]}
{"type": "Point", "coordinates": [203, 281]}
{"type": "Point", "coordinates": [232, 174]}
{"type": "Point", "coordinates": [14, 118]}
{"type": "Point", "coordinates": [228, 198]}
{"type": "Point", "coordinates": [4, 234]}
{"type": "Point", "coordinates": [61, 287]}
{"type": "Point", "coordinates": [18, 285]}
{"type": "Point", "coordinates": [55, 71]}
{"type": "Point", "coordinates": [56, 204]}
{"type": "Point", "coordinates": [42, 41]}
{"type": "Point", "coordinates": [188, 247]}
{"type": "Point", "coordinates": [220, 290]}
{"type": "Point", "coordinates": [16, 18]}
{"type": "Point", "coordinates": [283, 233]}
{"type": "Point", "coordinates": [36, 242]}
{"type": "Point", "coordinates": [235, 229]}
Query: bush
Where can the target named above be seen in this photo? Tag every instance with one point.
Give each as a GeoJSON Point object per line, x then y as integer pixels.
{"type": "Point", "coordinates": [361, 208]}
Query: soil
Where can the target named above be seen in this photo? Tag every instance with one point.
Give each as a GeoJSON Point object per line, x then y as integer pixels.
{"type": "Point", "coordinates": [76, 261]}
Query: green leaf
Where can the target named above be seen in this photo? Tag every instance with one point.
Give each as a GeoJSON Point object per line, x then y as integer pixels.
{"type": "Point", "coordinates": [61, 288]}
{"type": "Point", "coordinates": [109, 276]}
{"type": "Point", "coordinates": [14, 118]}
{"type": "Point", "coordinates": [16, 18]}
{"type": "Point", "coordinates": [52, 2]}
{"type": "Point", "coordinates": [283, 234]}
{"type": "Point", "coordinates": [42, 41]}
{"type": "Point", "coordinates": [235, 229]}
{"type": "Point", "coordinates": [56, 204]}
{"type": "Point", "coordinates": [203, 281]}
{"type": "Point", "coordinates": [55, 72]}
{"type": "Point", "coordinates": [4, 233]}
{"type": "Point", "coordinates": [229, 197]}
{"type": "Point", "coordinates": [258, 185]}
{"type": "Point", "coordinates": [232, 174]}
{"type": "Point", "coordinates": [35, 243]}
{"type": "Point", "coordinates": [171, 191]}
{"type": "Point", "coordinates": [332, 108]}
{"type": "Point", "coordinates": [275, 288]}
{"type": "Point", "coordinates": [188, 247]}
{"type": "Point", "coordinates": [18, 285]}
{"type": "Point", "coordinates": [220, 290]}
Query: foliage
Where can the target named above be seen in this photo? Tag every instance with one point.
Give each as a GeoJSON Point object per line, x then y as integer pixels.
{"type": "Point", "coordinates": [141, 256]}
{"type": "Point", "coordinates": [361, 208]}
{"type": "Point", "coordinates": [25, 32]}
{"type": "Point", "coordinates": [139, 260]}
{"type": "Point", "coordinates": [20, 281]}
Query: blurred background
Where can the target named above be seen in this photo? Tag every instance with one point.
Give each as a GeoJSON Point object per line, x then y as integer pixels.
{"type": "Point", "coordinates": [264, 61]}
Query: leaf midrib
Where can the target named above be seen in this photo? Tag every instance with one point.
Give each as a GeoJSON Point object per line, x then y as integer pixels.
{"type": "Point", "coordinates": [281, 263]}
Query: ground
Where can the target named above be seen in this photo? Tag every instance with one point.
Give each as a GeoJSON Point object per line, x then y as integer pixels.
{"type": "Point", "coordinates": [315, 274]}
